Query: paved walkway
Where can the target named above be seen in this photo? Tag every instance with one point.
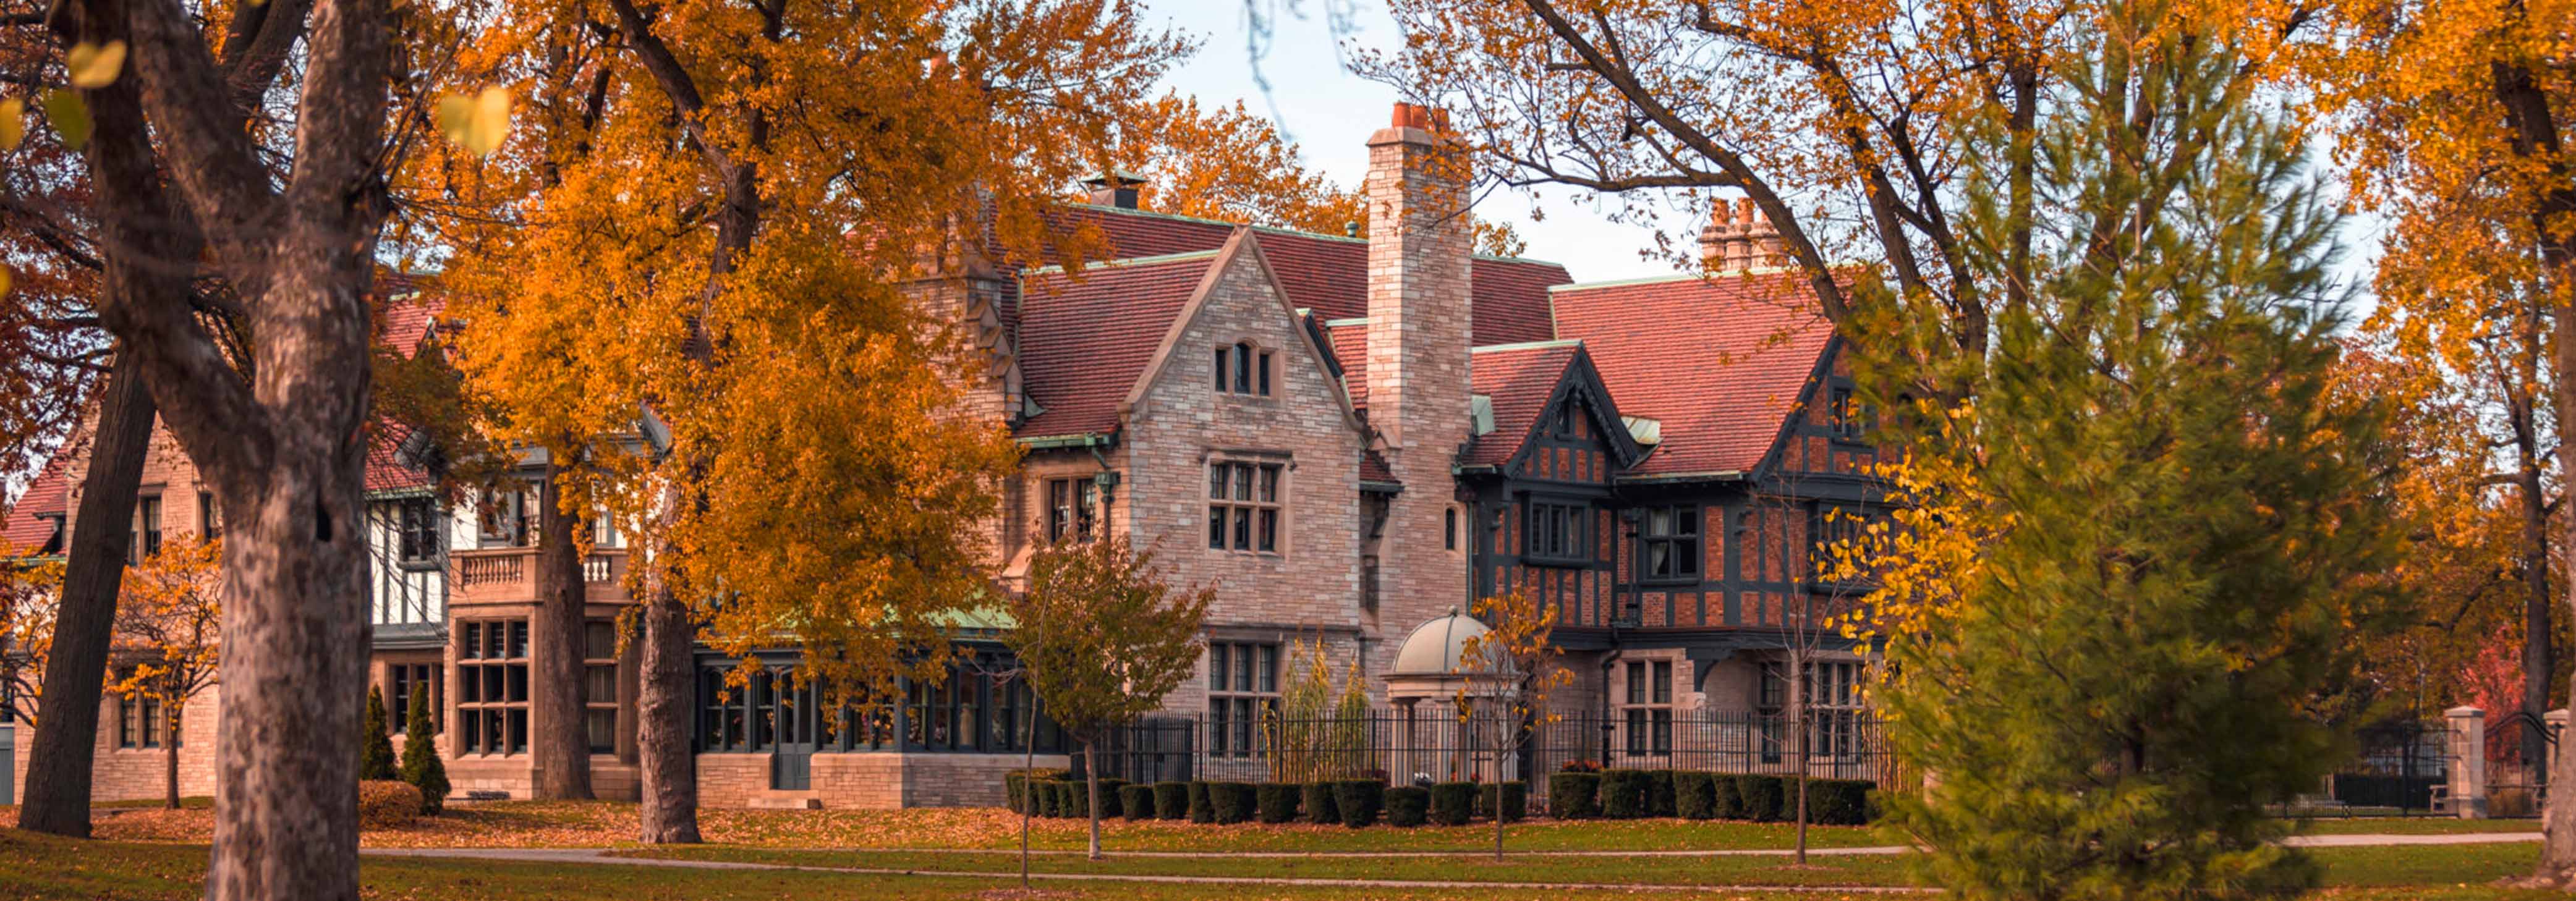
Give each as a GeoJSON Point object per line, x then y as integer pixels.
{"type": "Point", "coordinates": [600, 856]}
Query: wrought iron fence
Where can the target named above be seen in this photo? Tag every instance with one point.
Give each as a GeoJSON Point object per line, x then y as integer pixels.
{"type": "Point", "coordinates": [1428, 745]}
{"type": "Point", "coordinates": [2401, 769]}
{"type": "Point", "coordinates": [2519, 748]}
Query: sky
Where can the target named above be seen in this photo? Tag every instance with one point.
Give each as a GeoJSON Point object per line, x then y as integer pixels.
{"type": "Point", "coordinates": [1330, 112]}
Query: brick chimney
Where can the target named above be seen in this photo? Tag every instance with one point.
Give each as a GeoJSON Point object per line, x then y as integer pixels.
{"type": "Point", "coordinates": [1418, 381]}
{"type": "Point", "coordinates": [1418, 331]}
{"type": "Point", "coordinates": [1739, 238]}
{"type": "Point", "coordinates": [1114, 188]}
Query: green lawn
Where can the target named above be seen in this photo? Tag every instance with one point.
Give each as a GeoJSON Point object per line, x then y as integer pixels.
{"type": "Point", "coordinates": [2414, 826]}
{"type": "Point", "coordinates": [2379, 866]}
{"type": "Point", "coordinates": [44, 867]}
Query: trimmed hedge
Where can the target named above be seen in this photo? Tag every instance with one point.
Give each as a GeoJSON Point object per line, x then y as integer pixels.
{"type": "Point", "coordinates": [1840, 802]}
{"type": "Point", "coordinates": [1072, 799]}
{"type": "Point", "coordinates": [1171, 800]}
{"type": "Point", "coordinates": [1202, 807]}
{"type": "Point", "coordinates": [1233, 802]}
{"type": "Point", "coordinates": [387, 804]}
{"type": "Point", "coordinates": [1623, 794]}
{"type": "Point", "coordinates": [1725, 802]}
{"type": "Point", "coordinates": [1359, 801]}
{"type": "Point", "coordinates": [1574, 796]}
{"type": "Point", "coordinates": [1515, 801]}
{"type": "Point", "coordinates": [1042, 798]}
{"type": "Point", "coordinates": [1452, 802]}
{"type": "Point", "coordinates": [1113, 800]}
{"type": "Point", "coordinates": [1406, 805]}
{"type": "Point", "coordinates": [1136, 801]}
{"type": "Point", "coordinates": [1015, 790]}
{"type": "Point", "coordinates": [1694, 795]}
{"type": "Point", "coordinates": [1662, 799]}
{"type": "Point", "coordinates": [1276, 802]}
{"type": "Point", "coordinates": [1317, 802]}
{"type": "Point", "coordinates": [1760, 797]}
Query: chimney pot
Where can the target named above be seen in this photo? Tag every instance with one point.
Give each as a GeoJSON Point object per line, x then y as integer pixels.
{"type": "Point", "coordinates": [1114, 188]}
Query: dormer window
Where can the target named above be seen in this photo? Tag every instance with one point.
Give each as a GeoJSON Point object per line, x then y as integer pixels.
{"type": "Point", "coordinates": [1070, 509]}
{"type": "Point", "coordinates": [1243, 369]}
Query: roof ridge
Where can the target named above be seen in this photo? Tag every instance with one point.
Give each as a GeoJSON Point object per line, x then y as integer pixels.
{"type": "Point", "coordinates": [1527, 345]}
{"type": "Point", "coordinates": [1676, 277]}
{"type": "Point", "coordinates": [1280, 230]}
{"type": "Point", "coordinates": [1124, 262]}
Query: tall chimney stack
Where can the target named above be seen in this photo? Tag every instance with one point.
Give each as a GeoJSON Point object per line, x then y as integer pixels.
{"type": "Point", "coordinates": [1419, 334]}
{"type": "Point", "coordinates": [1739, 238]}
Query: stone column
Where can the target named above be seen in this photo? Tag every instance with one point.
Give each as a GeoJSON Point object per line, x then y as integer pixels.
{"type": "Point", "coordinates": [2556, 722]}
{"type": "Point", "coordinates": [2468, 761]}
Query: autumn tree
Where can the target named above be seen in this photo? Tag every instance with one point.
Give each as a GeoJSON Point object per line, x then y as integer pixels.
{"type": "Point", "coordinates": [1517, 670]}
{"type": "Point", "coordinates": [1102, 637]}
{"type": "Point", "coordinates": [64, 392]}
{"type": "Point", "coordinates": [2454, 119]}
{"type": "Point", "coordinates": [2178, 529]}
{"type": "Point", "coordinates": [182, 140]}
{"type": "Point", "coordinates": [1847, 124]}
{"type": "Point", "coordinates": [167, 625]}
{"type": "Point", "coordinates": [743, 233]}
{"type": "Point", "coordinates": [30, 588]}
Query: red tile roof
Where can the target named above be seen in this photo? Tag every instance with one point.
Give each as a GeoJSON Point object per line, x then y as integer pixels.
{"type": "Point", "coordinates": [1329, 274]}
{"type": "Point", "coordinates": [405, 321]}
{"type": "Point", "coordinates": [1519, 380]}
{"type": "Point", "coordinates": [385, 468]}
{"type": "Point", "coordinates": [1719, 361]}
{"type": "Point", "coordinates": [48, 494]}
{"type": "Point", "coordinates": [1373, 468]}
{"type": "Point", "coordinates": [1083, 343]}
{"type": "Point", "coordinates": [1350, 350]}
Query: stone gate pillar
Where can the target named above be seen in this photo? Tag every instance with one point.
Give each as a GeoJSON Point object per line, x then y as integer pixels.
{"type": "Point", "coordinates": [2468, 761]}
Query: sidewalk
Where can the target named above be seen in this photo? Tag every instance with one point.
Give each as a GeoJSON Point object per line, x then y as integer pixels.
{"type": "Point", "coordinates": [599, 857]}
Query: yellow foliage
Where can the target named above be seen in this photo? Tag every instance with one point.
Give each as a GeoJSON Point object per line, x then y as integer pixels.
{"type": "Point", "coordinates": [704, 233]}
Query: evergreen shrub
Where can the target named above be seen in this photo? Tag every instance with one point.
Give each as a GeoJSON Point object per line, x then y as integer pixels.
{"type": "Point", "coordinates": [1623, 794]}
{"type": "Point", "coordinates": [1574, 796]}
{"type": "Point", "coordinates": [1694, 795]}
{"type": "Point", "coordinates": [1276, 802]}
{"type": "Point", "coordinates": [1452, 802]}
{"type": "Point", "coordinates": [1317, 803]}
{"type": "Point", "coordinates": [1171, 800]}
{"type": "Point", "coordinates": [1406, 805]}
{"type": "Point", "coordinates": [1358, 801]}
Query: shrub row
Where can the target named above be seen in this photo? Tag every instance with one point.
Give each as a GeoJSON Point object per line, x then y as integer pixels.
{"type": "Point", "coordinates": [1628, 794]}
{"type": "Point", "coordinates": [1356, 803]}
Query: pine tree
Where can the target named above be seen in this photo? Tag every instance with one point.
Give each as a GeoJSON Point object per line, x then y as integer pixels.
{"type": "Point", "coordinates": [375, 751]}
{"type": "Point", "coordinates": [420, 764]}
{"type": "Point", "coordinates": [2178, 526]}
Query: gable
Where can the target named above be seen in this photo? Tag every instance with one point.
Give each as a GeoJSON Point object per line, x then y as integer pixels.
{"type": "Point", "coordinates": [1240, 311]}
{"type": "Point", "coordinates": [1547, 393]}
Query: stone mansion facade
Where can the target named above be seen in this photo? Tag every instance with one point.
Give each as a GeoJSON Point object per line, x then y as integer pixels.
{"type": "Point", "coordinates": [1346, 435]}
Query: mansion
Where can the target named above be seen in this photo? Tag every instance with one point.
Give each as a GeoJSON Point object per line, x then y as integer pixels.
{"type": "Point", "coordinates": [1346, 435]}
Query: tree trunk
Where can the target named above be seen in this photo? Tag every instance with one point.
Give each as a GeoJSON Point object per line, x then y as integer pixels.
{"type": "Point", "coordinates": [60, 755]}
{"type": "Point", "coordinates": [1028, 799]}
{"type": "Point", "coordinates": [1091, 787]}
{"type": "Point", "coordinates": [1803, 750]}
{"type": "Point", "coordinates": [294, 671]}
{"type": "Point", "coordinates": [669, 812]}
{"type": "Point", "coordinates": [2535, 128]}
{"type": "Point", "coordinates": [170, 758]}
{"type": "Point", "coordinates": [562, 745]}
